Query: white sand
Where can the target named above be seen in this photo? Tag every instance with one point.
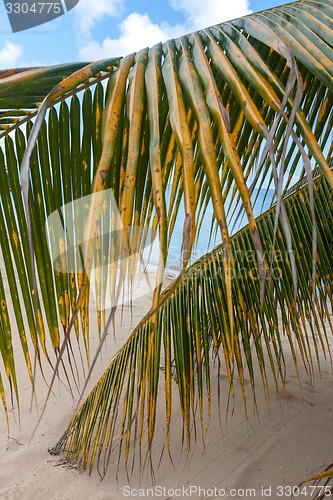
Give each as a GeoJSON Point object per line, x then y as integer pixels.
{"type": "Point", "coordinates": [290, 441]}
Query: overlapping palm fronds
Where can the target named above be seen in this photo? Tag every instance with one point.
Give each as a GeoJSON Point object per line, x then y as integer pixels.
{"type": "Point", "coordinates": [192, 322]}
{"type": "Point", "coordinates": [216, 115]}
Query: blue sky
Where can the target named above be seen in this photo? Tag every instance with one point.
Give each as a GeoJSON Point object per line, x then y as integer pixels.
{"type": "Point", "coordinates": [96, 29]}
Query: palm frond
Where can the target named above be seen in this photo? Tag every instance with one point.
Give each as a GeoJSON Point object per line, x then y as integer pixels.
{"type": "Point", "coordinates": [321, 483]}
{"type": "Point", "coordinates": [218, 114]}
{"type": "Point", "coordinates": [192, 324]}
{"type": "Point", "coordinates": [23, 89]}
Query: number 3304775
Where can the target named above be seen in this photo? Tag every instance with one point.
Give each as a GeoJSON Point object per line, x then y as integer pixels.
{"type": "Point", "coordinates": [35, 8]}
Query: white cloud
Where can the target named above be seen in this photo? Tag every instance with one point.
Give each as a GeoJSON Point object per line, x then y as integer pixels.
{"type": "Point", "coordinates": [201, 14]}
{"type": "Point", "coordinates": [9, 55]}
{"type": "Point", "coordinates": [88, 12]}
{"type": "Point", "coordinates": [136, 32]}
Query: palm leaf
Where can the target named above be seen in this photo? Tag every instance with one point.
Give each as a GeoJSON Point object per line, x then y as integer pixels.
{"type": "Point", "coordinates": [23, 89]}
{"type": "Point", "coordinates": [192, 324]}
{"type": "Point", "coordinates": [321, 483]}
{"type": "Point", "coordinates": [257, 97]}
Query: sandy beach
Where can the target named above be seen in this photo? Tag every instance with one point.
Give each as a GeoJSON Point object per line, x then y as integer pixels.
{"type": "Point", "coordinates": [288, 442]}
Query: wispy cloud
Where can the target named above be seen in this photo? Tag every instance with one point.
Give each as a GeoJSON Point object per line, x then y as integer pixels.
{"type": "Point", "coordinates": [88, 12]}
{"type": "Point", "coordinates": [201, 14]}
{"type": "Point", "coordinates": [9, 55]}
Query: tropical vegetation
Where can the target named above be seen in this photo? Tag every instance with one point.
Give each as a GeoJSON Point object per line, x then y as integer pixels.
{"type": "Point", "coordinates": [215, 116]}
